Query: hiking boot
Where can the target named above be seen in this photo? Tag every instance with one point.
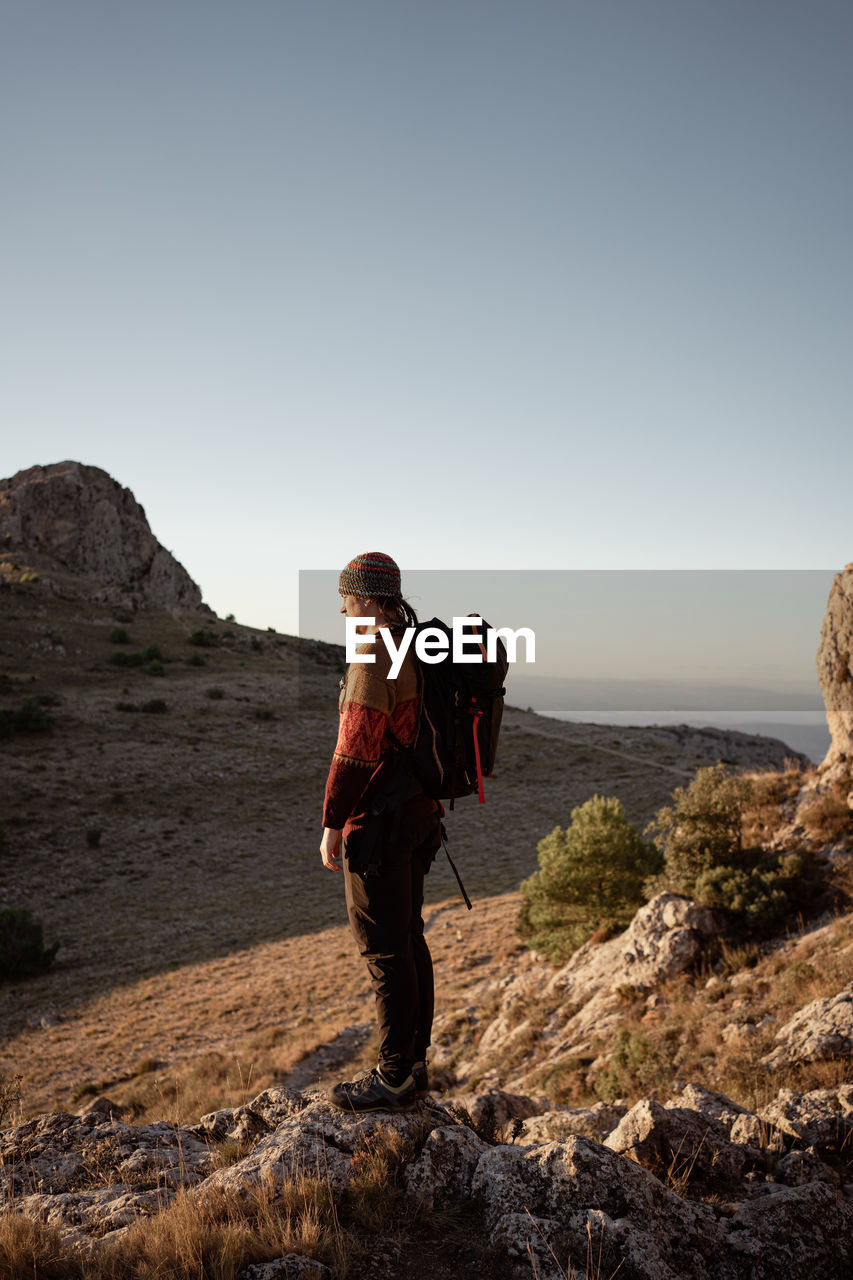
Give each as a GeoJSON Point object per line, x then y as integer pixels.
{"type": "Point", "coordinates": [373, 1093]}
{"type": "Point", "coordinates": [421, 1079]}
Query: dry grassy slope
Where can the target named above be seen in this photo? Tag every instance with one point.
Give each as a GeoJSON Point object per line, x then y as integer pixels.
{"type": "Point", "coordinates": [210, 818]}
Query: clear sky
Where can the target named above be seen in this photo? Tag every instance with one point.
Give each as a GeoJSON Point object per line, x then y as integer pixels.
{"type": "Point", "coordinates": [480, 284]}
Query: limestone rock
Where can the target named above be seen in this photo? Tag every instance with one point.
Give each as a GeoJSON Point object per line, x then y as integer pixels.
{"type": "Point", "coordinates": [292, 1266]}
{"type": "Point", "coordinates": [80, 519]}
{"type": "Point", "coordinates": [821, 1030]}
{"type": "Point", "coordinates": [712, 1106]}
{"type": "Point", "coordinates": [678, 1142]}
{"type": "Point", "coordinates": [639, 1225]}
{"type": "Point", "coordinates": [835, 667]}
{"type": "Point", "coordinates": [792, 1231]}
{"type": "Point", "coordinates": [822, 1118]}
{"type": "Point", "coordinates": [260, 1116]}
{"type": "Point", "coordinates": [443, 1171]}
{"type": "Point", "coordinates": [319, 1141]}
{"type": "Point", "coordinates": [588, 1122]}
{"type": "Point", "coordinates": [663, 939]}
{"type": "Point", "coordinates": [496, 1108]}
{"type": "Point", "coordinates": [94, 1172]}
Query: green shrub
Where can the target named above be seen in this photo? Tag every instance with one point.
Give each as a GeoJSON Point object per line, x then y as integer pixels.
{"type": "Point", "coordinates": [703, 828]}
{"type": "Point", "coordinates": [702, 835]}
{"type": "Point", "coordinates": [155, 669]}
{"type": "Point", "coordinates": [31, 717]}
{"type": "Point", "coordinates": [22, 949]}
{"type": "Point", "coordinates": [126, 706]}
{"type": "Point", "coordinates": [215, 692]}
{"type": "Point", "coordinates": [122, 659]}
{"type": "Point", "coordinates": [119, 635]}
{"type": "Point", "coordinates": [636, 1066]}
{"type": "Point", "coordinates": [203, 638]}
{"type": "Point", "coordinates": [196, 660]}
{"type": "Point", "coordinates": [154, 706]}
{"type": "Point", "coordinates": [763, 891]}
{"type": "Point", "coordinates": [590, 876]}
{"type": "Point", "coordinates": [152, 653]}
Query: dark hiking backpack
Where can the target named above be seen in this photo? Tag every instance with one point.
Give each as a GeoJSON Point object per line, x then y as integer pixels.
{"type": "Point", "coordinates": [460, 718]}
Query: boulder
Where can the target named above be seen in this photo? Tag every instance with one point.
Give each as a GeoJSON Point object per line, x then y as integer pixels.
{"type": "Point", "coordinates": [588, 1122]}
{"type": "Point", "coordinates": [821, 1030]}
{"type": "Point", "coordinates": [572, 1191]}
{"type": "Point", "coordinates": [714, 1107]}
{"type": "Point", "coordinates": [678, 1143]}
{"type": "Point", "coordinates": [787, 1231]}
{"type": "Point", "coordinates": [822, 1119]}
{"type": "Point", "coordinates": [443, 1172]}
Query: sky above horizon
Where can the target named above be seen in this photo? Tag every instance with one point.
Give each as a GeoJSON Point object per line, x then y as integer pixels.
{"type": "Point", "coordinates": [553, 286]}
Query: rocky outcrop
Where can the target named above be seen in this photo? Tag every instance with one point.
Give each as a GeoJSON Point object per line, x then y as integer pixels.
{"type": "Point", "coordinates": [587, 994]}
{"type": "Point", "coordinates": [620, 1205]}
{"type": "Point", "coordinates": [80, 519]}
{"type": "Point", "coordinates": [821, 1030]}
{"type": "Point", "coordinates": [835, 668]}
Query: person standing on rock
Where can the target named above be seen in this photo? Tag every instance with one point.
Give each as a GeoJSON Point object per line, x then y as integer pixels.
{"type": "Point", "coordinates": [383, 832]}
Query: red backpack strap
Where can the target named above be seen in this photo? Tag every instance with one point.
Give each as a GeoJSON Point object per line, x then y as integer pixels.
{"type": "Point", "coordinates": [480, 792]}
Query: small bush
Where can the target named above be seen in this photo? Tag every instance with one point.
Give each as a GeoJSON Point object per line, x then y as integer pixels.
{"type": "Point", "coordinates": [203, 638]}
{"type": "Point", "coordinates": [705, 855]}
{"type": "Point", "coordinates": [154, 706]}
{"type": "Point", "coordinates": [215, 692]}
{"type": "Point", "coordinates": [591, 877]}
{"type": "Point", "coordinates": [704, 828]}
{"type": "Point", "coordinates": [155, 669]}
{"type": "Point", "coordinates": [151, 653]}
{"type": "Point", "coordinates": [119, 635]}
{"type": "Point", "coordinates": [22, 949]}
{"type": "Point", "coordinates": [196, 660]}
{"type": "Point", "coordinates": [126, 706]}
{"type": "Point", "coordinates": [30, 717]}
{"type": "Point", "coordinates": [636, 1066]}
{"type": "Point", "coordinates": [122, 659]}
{"type": "Point", "coordinates": [264, 713]}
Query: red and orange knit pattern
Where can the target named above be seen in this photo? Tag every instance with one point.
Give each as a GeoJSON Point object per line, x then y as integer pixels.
{"type": "Point", "coordinates": [370, 704]}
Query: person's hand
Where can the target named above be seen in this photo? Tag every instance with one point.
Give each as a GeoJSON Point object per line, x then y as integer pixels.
{"type": "Point", "coordinates": [330, 849]}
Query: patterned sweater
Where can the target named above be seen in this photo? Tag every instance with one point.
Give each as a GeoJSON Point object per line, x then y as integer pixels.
{"type": "Point", "coordinates": [369, 705]}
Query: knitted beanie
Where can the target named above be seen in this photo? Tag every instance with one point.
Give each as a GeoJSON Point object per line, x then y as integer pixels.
{"type": "Point", "coordinates": [368, 575]}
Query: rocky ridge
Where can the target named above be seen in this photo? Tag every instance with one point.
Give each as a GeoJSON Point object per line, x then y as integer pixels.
{"type": "Point", "coordinates": [691, 1183]}
{"type": "Point", "coordinates": [79, 519]}
{"type": "Point", "coordinates": [697, 1186]}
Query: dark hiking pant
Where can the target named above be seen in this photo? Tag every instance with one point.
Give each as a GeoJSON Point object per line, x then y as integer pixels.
{"type": "Point", "coordinates": [385, 914]}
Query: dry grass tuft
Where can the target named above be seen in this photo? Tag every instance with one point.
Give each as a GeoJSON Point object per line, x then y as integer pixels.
{"type": "Point", "coordinates": [828, 819]}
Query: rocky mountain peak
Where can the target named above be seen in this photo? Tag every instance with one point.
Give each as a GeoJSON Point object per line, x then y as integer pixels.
{"type": "Point", "coordinates": [78, 518]}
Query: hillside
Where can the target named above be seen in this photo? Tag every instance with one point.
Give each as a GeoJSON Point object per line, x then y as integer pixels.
{"type": "Point", "coordinates": [165, 830]}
